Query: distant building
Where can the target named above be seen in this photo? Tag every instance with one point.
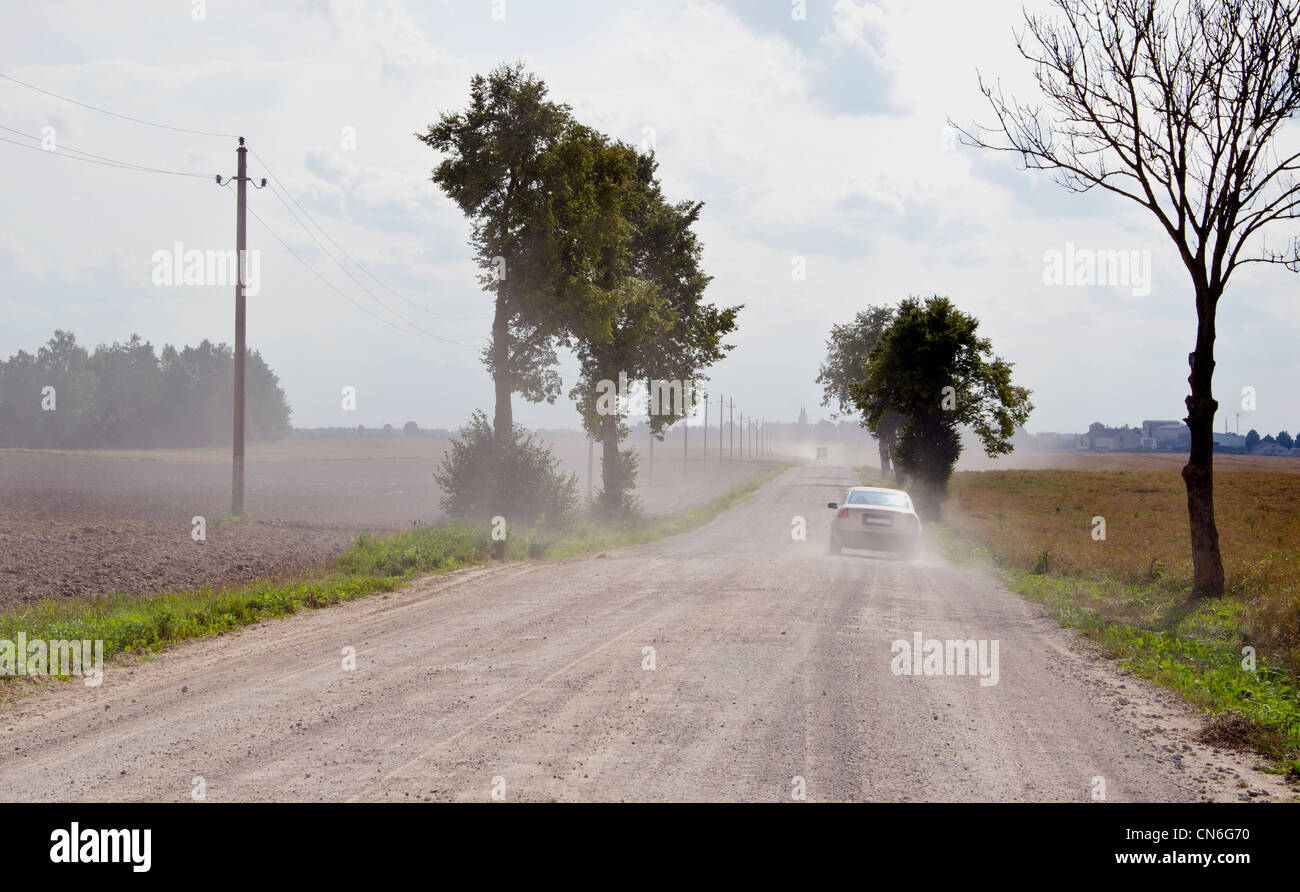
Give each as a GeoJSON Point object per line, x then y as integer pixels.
{"type": "Point", "coordinates": [1112, 439]}
{"type": "Point", "coordinates": [1168, 435]}
{"type": "Point", "coordinates": [1226, 442]}
{"type": "Point", "coordinates": [1270, 449]}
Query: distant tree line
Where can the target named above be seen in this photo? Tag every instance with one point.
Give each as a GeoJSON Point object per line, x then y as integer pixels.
{"type": "Point", "coordinates": [126, 396]}
{"type": "Point", "coordinates": [1283, 439]}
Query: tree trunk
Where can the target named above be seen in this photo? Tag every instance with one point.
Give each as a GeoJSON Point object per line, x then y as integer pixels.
{"type": "Point", "coordinates": [503, 422]}
{"type": "Point", "coordinates": [884, 457]}
{"type": "Point", "coordinates": [609, 466]}
{"type": "Point", "coordinates": [1198, 473]}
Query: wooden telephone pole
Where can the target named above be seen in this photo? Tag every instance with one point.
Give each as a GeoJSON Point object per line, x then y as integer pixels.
{"type": "Point", "coordinates": [704, 456]}
{"type": "Point", "coordinates": [241, 344]}
{"type": "Point", "coordinates": [686, 428]}
{"type": "Point", "coordinates": [241, 246]}
{"type": "Point", "coordinates": [731, 431]}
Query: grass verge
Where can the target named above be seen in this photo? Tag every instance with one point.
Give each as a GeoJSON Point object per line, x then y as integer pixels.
{"type": "Point", "coordinates": [133, 624]}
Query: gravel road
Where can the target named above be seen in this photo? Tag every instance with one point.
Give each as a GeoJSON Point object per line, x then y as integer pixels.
{"type": "Point", "coordinates": [771, 664]}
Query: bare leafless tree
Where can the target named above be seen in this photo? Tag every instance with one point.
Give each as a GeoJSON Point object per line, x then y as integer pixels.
{"type": "Point", "coordinates": [1181, 106]}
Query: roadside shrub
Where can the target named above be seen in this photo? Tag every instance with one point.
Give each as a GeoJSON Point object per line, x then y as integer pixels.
{"type": "Point", "coordinates": [517, 479]}
{"type": "Point", "coordinates": [1042, 563]}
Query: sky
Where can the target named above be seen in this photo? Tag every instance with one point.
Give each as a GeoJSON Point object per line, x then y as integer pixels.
{"type": "Point", "coordinates": [817, 142]}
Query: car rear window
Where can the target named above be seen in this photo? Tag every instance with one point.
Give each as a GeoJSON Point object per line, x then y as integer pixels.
{"type": "Point", "coordinates": [888, 499]}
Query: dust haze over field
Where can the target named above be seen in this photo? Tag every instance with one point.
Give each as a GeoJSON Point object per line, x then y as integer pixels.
{"type": "Point", "coordinates": [86, 523]}
{"type": "Point", "coordinates": [82, 523]}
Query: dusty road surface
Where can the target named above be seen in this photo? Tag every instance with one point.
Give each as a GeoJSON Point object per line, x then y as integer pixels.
{"type": "Point", "coordinates": [771, 663]}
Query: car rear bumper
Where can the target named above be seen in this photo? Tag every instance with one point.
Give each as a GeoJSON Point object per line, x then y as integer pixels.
{"type": "Point", "coordinates": [876, 540]}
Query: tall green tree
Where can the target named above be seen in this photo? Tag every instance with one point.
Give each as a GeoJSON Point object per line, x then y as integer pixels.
{"type": "Point", "coordinates": [932, 368]}
{"type": "Point", "coordinates": [847, 349]}
{"type": "Point", "coordinates": [518, 165]}
{"type": "Point", "coordinates": [1180, 107]}
{"type": "Point", "coordinates": [644, 317]}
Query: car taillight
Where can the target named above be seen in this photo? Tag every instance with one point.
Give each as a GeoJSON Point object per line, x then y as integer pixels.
{"type": "Point", "coordinates": [844, 512]}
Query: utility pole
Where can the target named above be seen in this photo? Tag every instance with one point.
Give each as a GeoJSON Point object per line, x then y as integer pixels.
{"type": "Point", "coordinates": [591, 450]}
{"type": "Point", "coordinates": [731, 432]}
{"type": "Point", "coordinates": [742, 436]}
{"type": "Point", "coordinates": [651, 462]}
{"type": "Point", "coordinates": [721, 410]}
{"type": "Point", "coordinates": [241, 343]}
{"type": "Point", "coordinates": [241, 246]}
{"type": "Point", "coordinates": [704, 456]}
{"type": "Point", "coordinates": [686, 437]}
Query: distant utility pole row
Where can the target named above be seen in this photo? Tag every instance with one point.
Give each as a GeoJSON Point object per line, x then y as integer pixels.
{"type": "Point", "coordinates": [737, 438]}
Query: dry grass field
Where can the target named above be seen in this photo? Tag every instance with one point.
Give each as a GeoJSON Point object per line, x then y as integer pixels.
{"type": "Point", "coordinates": [1041, 521]}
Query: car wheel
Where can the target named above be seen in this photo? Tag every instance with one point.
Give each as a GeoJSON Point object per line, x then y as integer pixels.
{"type": "Point", "coordinates": [833, 544]}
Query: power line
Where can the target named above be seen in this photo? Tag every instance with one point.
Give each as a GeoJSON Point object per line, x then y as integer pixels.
{"type": "Point", "coordinates": [321, 229]}
{"type": "Point", "coordinates": [354, 279]}
{"type": "Point", "coordinates": [279, 186]}
{"type": "Point", "coordinates": [76, 155]}
{"type": "Point", "coordinates": [419, 332]}
{"type": "Point", "coordinates": [345, 296]}
{"type": "Point", "coordinates": [115, 114]}
{"type": "Point", "coordinates": [111, 162]}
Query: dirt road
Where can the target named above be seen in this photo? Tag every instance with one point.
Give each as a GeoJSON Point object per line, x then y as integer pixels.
{"type": "Point", "coordinates": [771, 663]}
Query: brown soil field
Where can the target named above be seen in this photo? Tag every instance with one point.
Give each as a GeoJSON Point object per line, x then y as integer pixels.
{"type": "Point", "coordinates": [76, 523]}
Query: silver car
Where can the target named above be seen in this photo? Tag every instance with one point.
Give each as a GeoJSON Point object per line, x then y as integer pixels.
{"type": "Point", "coordinates": [877, 519]}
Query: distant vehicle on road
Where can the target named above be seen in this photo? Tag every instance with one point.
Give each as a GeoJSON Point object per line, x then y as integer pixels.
{"type": "Point", "coordinates": [876, 519]}
{"type": "Point", "coordinates": [823, 451]}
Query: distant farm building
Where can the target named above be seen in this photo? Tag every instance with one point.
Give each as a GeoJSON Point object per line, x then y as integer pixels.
{"type": "Point", "coordinates": [1112, 439]}
{"type": "Point", "coordinates": [1168, 435]}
